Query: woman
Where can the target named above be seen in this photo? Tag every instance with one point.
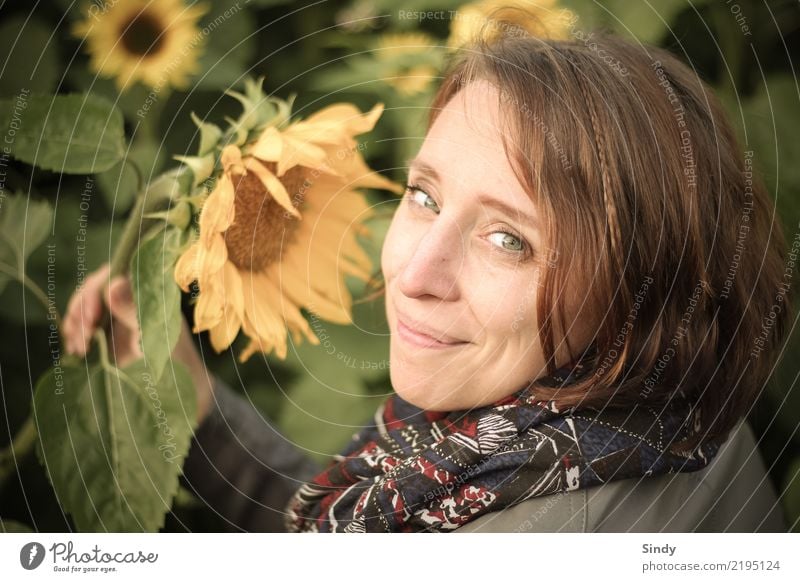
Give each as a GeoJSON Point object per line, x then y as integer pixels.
{"type": "Point", "coordinates": [576, 336]}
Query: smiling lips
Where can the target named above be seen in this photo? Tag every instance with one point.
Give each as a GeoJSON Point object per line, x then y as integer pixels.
{"type": "Point", "coordinates": [412, 333]}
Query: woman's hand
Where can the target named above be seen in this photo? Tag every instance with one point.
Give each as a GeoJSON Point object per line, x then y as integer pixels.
{"type": "Point", "coordinates": [84, 310]}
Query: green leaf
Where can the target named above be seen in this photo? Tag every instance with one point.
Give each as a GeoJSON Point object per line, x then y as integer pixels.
{"type": "Point", "coordinates": [11, 526]}
{"type": "Point", "coordinates": [120, 184]}
{"type": "Point", "coordinates": [158, 297]}
{"type": "Point", "coordinates": [74, 134]}
{"type": "Point", "coordinates": [24, 225]}
{"type": "Point", "coordinates": [209, 135]}
{"type": "Point", "coordinates": [131, 102]}
{"type": "Point", "coordinates": [30, 54]}
{"type": "Point", "coordinates": [113, 442]}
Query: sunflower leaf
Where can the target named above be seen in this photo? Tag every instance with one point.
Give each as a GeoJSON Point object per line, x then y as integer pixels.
{"type": "Point", "coordinates": [122, 183]}
{"type": "Point", "coordinates": [74, 134]}
{"type": "Point", "coordinates": [201, 166]}
{"type": "Point", "coordinates": [12, 526]}
{"type": "Point", "coordinates": [113, 441]}
{"type": "Point", "coordinates": [209, 135]}
{"type": "Point", "coordinates": [24, 225]}
{"type": "Point", "coordinates": [158, 297]}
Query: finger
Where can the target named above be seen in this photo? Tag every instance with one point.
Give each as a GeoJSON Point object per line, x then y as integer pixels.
{"type": "Point", "coordinates": [83, 312]}
{"type": "Point", "coordinates": [119, 299]}
{"type": "Point", "coordinates": [82, 317]}
{"type": "Point", "coordinates": [125, 344]}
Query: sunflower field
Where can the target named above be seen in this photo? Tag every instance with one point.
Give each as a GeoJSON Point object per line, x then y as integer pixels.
{"type": "Point", "coordinates": [133, 131]}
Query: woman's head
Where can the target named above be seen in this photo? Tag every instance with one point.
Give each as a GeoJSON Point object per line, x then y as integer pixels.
{"type": "Point", "coordinates": [462, 262]}
{"type": "Point", "coordinates": [645, 234]}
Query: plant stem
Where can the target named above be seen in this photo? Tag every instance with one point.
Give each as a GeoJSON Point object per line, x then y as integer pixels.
{"type": "Point", "coordinates": [22, 444]}
{"type": "Point", "coordinates": [151, 199]}
{"type": "Point", "coordinates": [136, 225]}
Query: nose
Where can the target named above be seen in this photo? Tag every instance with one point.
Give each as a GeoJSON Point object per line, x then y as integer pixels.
{"type": "Point", "coordinates": [434, 265]}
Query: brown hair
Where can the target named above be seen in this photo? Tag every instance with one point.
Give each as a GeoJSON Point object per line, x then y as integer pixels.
{"type": "Point", "coordinates": [642, 184]}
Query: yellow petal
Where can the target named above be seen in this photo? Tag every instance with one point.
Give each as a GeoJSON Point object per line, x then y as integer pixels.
{"type": "Point", "coordinates": [234, 291]}
{"type": "Point", "coordinates": [223, 334]}
{"type": "Point", "coordinates": [211, 258]}
{"type": "Point", "coordinates": [231, 158]}
{"type": "Point", "coordinates": [261, 307]}
{"type": "Point", "coordinates": [273, 185]}
{"type": "Point", "coordinates": [335, 233]}
{"type": "Point", "coordinates": [301, 153]}
{"type": "Point", "coordinates": [357, 174]}
{"type": "Point", "coordinates": [259, 345]}
{"type": "Point", "coordinates": [201, 262]}
{"type": "Point", "coordinates": [289, 310]}
{"type": "Point", "coordinates": [301, 292]}
{"type": "Point", "coordinates": [342, 118]}
{"type": "Point", "coordinates": [186, 268]}
{"type": "Point", "coordinates": [347, 207]}
{"type": "Point", "coordinates": [208, 311]}
{"type": "Point", "coordinates": [269, 146]}
{"type": "Point", "coordinates": [218, 209]}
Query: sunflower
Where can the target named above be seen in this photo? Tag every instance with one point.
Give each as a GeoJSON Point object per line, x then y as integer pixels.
{"type": "Point", "coordinates": [154, 42]}
{"type": "Point", "coordinates": [277, 233]}
{"type": "Point", "coordinates": [541, 18]}
{"type": "Point", "coordinates": [401, 54]}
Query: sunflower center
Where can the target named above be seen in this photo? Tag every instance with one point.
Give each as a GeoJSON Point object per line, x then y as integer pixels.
{"type": "Point", "coordinates": [142, 35]}
{"type": "Point", "coordinates": [262, 229]}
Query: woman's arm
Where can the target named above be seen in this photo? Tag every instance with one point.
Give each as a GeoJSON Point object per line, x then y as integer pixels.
{"type": "Point", "coordinates": [242, 467]}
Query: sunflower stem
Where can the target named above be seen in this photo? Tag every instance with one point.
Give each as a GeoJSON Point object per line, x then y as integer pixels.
{"type": "Point", "coordinates": [19, 448]}
{"type": "Point", "coordinates": [151, 199]}
{"type": "Point", "coordinates": [136, 225]}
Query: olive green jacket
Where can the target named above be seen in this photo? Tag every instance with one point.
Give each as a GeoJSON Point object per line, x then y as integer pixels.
{"type": "Point", "coordinates": [246, 471]}
{"type": "Point", "coordinates": [731, 494]}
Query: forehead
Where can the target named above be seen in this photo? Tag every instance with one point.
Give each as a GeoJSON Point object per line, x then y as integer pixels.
{"type": "Point", "coordinates": [465, 145]}
{"type": "Point", "coordinates": [471, 119]}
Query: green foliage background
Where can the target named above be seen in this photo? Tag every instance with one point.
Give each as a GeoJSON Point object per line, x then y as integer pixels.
{"type": "Point", "coordinates": [324, 53]}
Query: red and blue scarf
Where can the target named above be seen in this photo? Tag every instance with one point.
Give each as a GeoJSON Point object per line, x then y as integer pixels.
{"type": "Point", "coordinates": [414, 470]}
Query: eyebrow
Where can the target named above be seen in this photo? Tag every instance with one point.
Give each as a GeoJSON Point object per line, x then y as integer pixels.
{"type": "Point", "coordinates": [510, 211]}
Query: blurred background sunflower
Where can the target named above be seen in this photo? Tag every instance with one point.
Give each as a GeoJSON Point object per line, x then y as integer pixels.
{"type": "Point", "coordinates": [155, 42]}
{"type": "Point", "coordinates": [542, 18]}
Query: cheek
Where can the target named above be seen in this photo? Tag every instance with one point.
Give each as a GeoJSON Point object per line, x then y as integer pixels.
{"type": "Point", "coordinates": [392, 249]}
{"type": "Point", "coordinates": [506, 308]}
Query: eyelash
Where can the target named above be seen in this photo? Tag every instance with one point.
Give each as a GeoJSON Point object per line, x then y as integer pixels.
{"type": "Point", "coordinates": [526, 248]}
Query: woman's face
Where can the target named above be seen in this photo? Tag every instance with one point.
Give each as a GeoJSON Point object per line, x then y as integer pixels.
{"type": "Point", "coordinates": [462, 262]}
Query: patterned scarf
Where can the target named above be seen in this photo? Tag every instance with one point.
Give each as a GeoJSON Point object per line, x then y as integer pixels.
{"type": "Point", "coordinates": [415, 470]}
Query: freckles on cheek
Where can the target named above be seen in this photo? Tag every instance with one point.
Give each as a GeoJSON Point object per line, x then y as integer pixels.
{"type": "Point", "coordinates": [509, 312]}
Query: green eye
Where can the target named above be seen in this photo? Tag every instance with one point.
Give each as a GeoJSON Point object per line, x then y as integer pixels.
{"type": "Point", "coordinates": [422, 198]}
{"type": "Point", "coordinates": [507, 241]}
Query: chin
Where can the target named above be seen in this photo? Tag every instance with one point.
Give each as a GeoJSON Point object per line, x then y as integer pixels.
{"type": "Point", "coordinates": [413, 392]}
{"type": "Point", "coordinates": [420, 394]}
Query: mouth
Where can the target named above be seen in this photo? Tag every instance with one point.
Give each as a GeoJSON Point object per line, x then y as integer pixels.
{"type": "Point", "coordinates": [422, 340]}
